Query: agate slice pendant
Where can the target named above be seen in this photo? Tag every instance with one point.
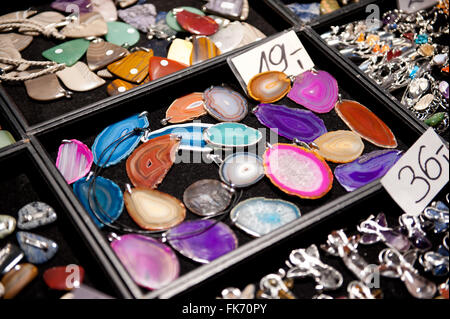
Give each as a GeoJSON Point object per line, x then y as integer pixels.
{"type": "Point", "coordinates": [35, 214]}
{"type": "Point", "coordinates": [225, 105]}
{"type": "Point", "coordinates": [317, 91]}
{"type": "Point", "coordinates": [290, 123]}
{"type": "Point", "coordinates": [366, 169]}
{"type": "Point", "coordinates": [64, 277]}
{"type": "Point", "coordinates": [259, 216]}
{"type": "Point", "coordinates": [114, 132]}
{"type": "Point", "coordinates": [152, 209]}
{"type": "Point", "coordinates": [150, 162]}
{"type": "Point", "coordinates": [108, 205]}
{"type": "Point", "coordinates": [133, 67]}
{"type": "Point", "coordinates": [207, 197]}
{"type": "Point", "coordinates": [339, 146]}
{"type": "Point", "coordinates": [150, 263]}
{"type": "Point", "coordinates": [74, 160]}
{"type": "Point", "coordinates": [193, 241]}
{"type": "Point", "coordinates": [185, 108]}
{"type": "Point", "coordinates": [297, 171]}
{"type": "Point", "coordinates": [232, 135]}
{"type": "Point", "coordinates": [241, 169]}
{"type": "Point", "coordinates": [366, 124]}
{"type": "Point", "coordinates": [37, 249]}
{"type": "Point", "coordinates": [269, 87]}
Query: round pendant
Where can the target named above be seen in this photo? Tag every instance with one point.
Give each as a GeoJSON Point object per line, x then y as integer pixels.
{"type": "Point", "coordinates": [317, 91]}
{"type": "Point", "coordinates": [207, 197]}
{"type": "Point", "coordinates": [154, 210]}
{"type": "Point", "coordinates": [151, 264]}
{"type": "Point", "coordinates": [193, 241]}
{"type": "Point", "coordinates": [340, 146]}
{"type": "Point", "coordinates": [297, 171]}
{"type": "Point", "coordinates": [231, 135]}
{"type": "Point", "coordinates": [225, 105]}
{"type": "Point", "coordinates": [259, 216]}
{"type": "Point", "coordinates": [241, 169]}
{"type": "Point", "coordinates": [269, 87]}
{"type": "Point", "coordinates": [74, 160]}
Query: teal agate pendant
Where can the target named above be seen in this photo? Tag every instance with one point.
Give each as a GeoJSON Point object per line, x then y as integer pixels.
{"type": "Point", "coordinates": [106, 144]}
{"type": "Point", "coordinates": [259, 216]}
{"type": "Point", "coordinates": [37, 249]}
{"type": "Point", "coordinates": [232, 135]}
{"type": "Point", "coordinates": [109, 203]}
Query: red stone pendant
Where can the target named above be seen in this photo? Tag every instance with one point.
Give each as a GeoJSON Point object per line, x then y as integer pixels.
{"type": "Point", "coordinates": [160, 67]}
{"type": "Point", "coordinates": [64, 277]}
{"type": "Point", "coordinates": [195, 23]}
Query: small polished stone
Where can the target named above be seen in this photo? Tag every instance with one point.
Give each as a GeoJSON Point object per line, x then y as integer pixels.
{"type": "Point", "coordinates": [6, 138]}
{"type": "Point", "coordinates": [241, 169]}
{"type": "Point", "coordinates": [196, 23]}
{"type": "Point", "coordinates": [186, 108]}
{"type": "Point", "coordinates": [11, 255]}
{"type": "Point", "coordinates": [426, 50]}
{"type": "Point", "coordinates": [180, 51]}
{"type": "Point", "coordinates": [17, 279]}
{"type": "Point", "coordinates": [444, 89]}
{"type": "Point", "coordinates": [122, 34]}
{"type": "Point", "coordinates": [7, 225]}
{"type": "Point", "coordinates": [269, 87]}
{"type": "Point", "coordinates": [142, 16]}
{"type": "Point", "coordinates": [68, 52]}
{"type": "Point", "coordinates": [35, 214]}
{"type": "Point", "coordinates": [171, 19]}
{"type": "Point", "coordinates": [154, 210]}
{"type": "Point", "coordinates": [90, 24]}
{"type": "Point", "coordinates": [440, 59]}
{"type": "Point", "coordinates": [37, 249]}
{"type": "Point", "coordinates": [74, 160]}
{"type": "Point", "coordinates": [203, 49]}
{"type": "Point", "coordinates": [366, 124]}
{"type": "Point", "coordinates": [106, 8]}
{"type": "Point", "coordinates": [64, 277]}
{"type": "Point", "coordinates": [424, 102]}
{"type": "Point", "coordinates": [435, 119]}
{"type": "Point", "coordinates": [224, 104]}
{"type": "Point", "coordinates": [232, 135]}
{"type": "Point", "coordinates": [132, 68]}
{"type": "Point", "coordinates": [160, 67]}
{"type": "Point", "coordinates": [339, 146]}
{"type": "Point", "coordinates": [102, 53]}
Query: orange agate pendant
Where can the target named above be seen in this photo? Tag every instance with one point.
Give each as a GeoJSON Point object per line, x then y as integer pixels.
{"type": "Point", "coordinates": [185, 108]}
{"type": "Point", "coordinates": [269, 87]}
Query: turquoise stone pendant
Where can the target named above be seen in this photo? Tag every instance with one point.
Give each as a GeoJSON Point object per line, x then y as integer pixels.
{"type": "Point", "coordinates": [7, 225]}
{"type": "Point", "coordinates": [109, 204]}
{"type": "Point", "coordinates": [37, 249]}
{"type": "Point", "coordinates": [106, 143]}
{"type": "Point", "coordinates": [259, 216]}
{"type": "Point", "coordinates": [232, 135]}
{"type": "Point", "coordinates": [122, 34]}
{"type": "Point", "coordinates": [67, 53]}
{"type": "Point", "coordinates": [225, 105]}
{"type": "Point", "coordinates": [35, 214]}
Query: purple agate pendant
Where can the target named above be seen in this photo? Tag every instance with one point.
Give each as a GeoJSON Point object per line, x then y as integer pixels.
{"type": "Point", "coordinates": [366, 169]}
{"type": "Point", "coordinates": [317, 91]}
{"type": "Point", "coordinates": [290, 123]}
{"type": "Point", "coordinates": [150, 263]}
{"type": "Point", "coordinates": [83, 6]}
{"type": "Point", "coordinates": [201, 240]}
{"type": "Point", "coordinates": [74, 160]}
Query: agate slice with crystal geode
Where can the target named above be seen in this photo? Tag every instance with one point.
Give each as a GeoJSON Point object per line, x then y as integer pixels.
{"type": "Point", "coordinates": [149, 262]}
{"type": "Point", "coordinates": [339, 146]}
{"type": "Point", "coordinates": [290, 123]}
{"type": "Point", "coordinates": [232, 135]}
{"type": "Point", "coordinates": [259, 216]}
{"type": "Point", "coordinates": [317, 91]}
{"type": "Point", "coordinates": [269, 87]}
{"type": "Point", "coordinates": [186, 108]}
{"type": "Point", "coordinates": [225, 105]}
{"type": "Point", "coordinates": [150, 162]}
{"type": "Point", "coordinates": [364, 122]}
{"type": "Point", "coordinates": [154, 210]}
{"type": "Point", "coordinates": [202, 240]}
{"type": "Point", "coordinates": [74, 160]}
{"type": "Point", "coordinates": [366, 169]}
{"type": "Point", "coordinates": [297, 171]}
{"type": "Point", "coordinates": [241, 169]}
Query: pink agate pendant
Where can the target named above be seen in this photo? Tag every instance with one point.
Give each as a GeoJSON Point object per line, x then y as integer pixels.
{"type": "Point", "coordinates": [297, 171]}
{"type": "Point", "coordinates": [74, 160]}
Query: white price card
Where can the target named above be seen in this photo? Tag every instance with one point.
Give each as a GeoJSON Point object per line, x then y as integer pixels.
{"type": "Point", "coordinates": [284, 53]}
{"type": "Point", "coordinates": [410, 6]}
{"type": "Point", "coordinates": [420, 174]}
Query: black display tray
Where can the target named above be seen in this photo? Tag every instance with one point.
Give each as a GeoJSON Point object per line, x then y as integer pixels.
{"type": "Point", "coordinates": [87, 124]}
{"type": "Point", "coordinates": [32, 114]}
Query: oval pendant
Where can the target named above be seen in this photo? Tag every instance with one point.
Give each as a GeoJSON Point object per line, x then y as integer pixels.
{"type": "Point", "coordinates": [133, 67]}
{"type": "Point", "coordinates": [269, 87]}
{"type": "Point", "coordinates": [259, 216]}
{"type": "Point", "coordinates": [109, 204]}
{"type": "Point", "coordinates": [317, 91]}
{"type": "Point", "coordinates": [113, 133]}
{"type": "Point", "coordinates": [74, 160]}
{"type": "Point", "coordinates": [185, 108]}
{"type": "Point", "coordinates": [366, 169]}
{"type": "Point", "coordinates": [206, 246]}
{"type": "Point", "coordinates": [290, 123]}
{"type": "Point", "coordinates": [35, 214]}
{"type": "Point", "coordinates": [207, 197]}
{"type": "Point", "coordinates": [171, 19]}
{"type": "Point", "coordinates": [340, 146]}
{"type": "Point", "coordinates": [37, 249]}
{"type": "Point", "coordinates": [150, 162]}
{"type": "Point", "coordinates": [191, 136]}
{"type": "Point", "coordinates": [196, 23]}
{"type": "Point", "coordinates": [7, 225]}
{"type": "Point", "coordinates": [231, 135]}
{"type": "Point", "coordinates": [366, 124]}
{"type": "Point", "coordinates": [241, 169]}
{"type": "Point", "coordinates": [154, 210]}
{"type": "Point", "coordinates": [150, 263]}
{"type": "Point", "coordinates": [297, 171]}
{"type": "Point", "coordinates": [225, 105]}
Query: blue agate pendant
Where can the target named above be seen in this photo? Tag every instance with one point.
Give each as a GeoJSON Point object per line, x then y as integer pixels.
{"type": "Point", "coordinates": [232, 135]}
{"type": "Point", "coordinates": [109, 197]}
{"type": "Point", "coordinates": [259, 216]}
{"type": "Point", "coordinates": [37, 249]}
{"type": "Point", "coordinates": [225, 105]}
{"type": "Point", "coordinates": [110, 137]}
{"type": "Point", "coordinates": [191, 136]}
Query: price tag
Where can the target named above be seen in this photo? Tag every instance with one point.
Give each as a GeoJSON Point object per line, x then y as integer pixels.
{"type": "Point", "coordinates": [420, 174]}
{"type": "Point", "coordinates": [410, 6]}
{"type": "Point", "coordinates": [284, 53]}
